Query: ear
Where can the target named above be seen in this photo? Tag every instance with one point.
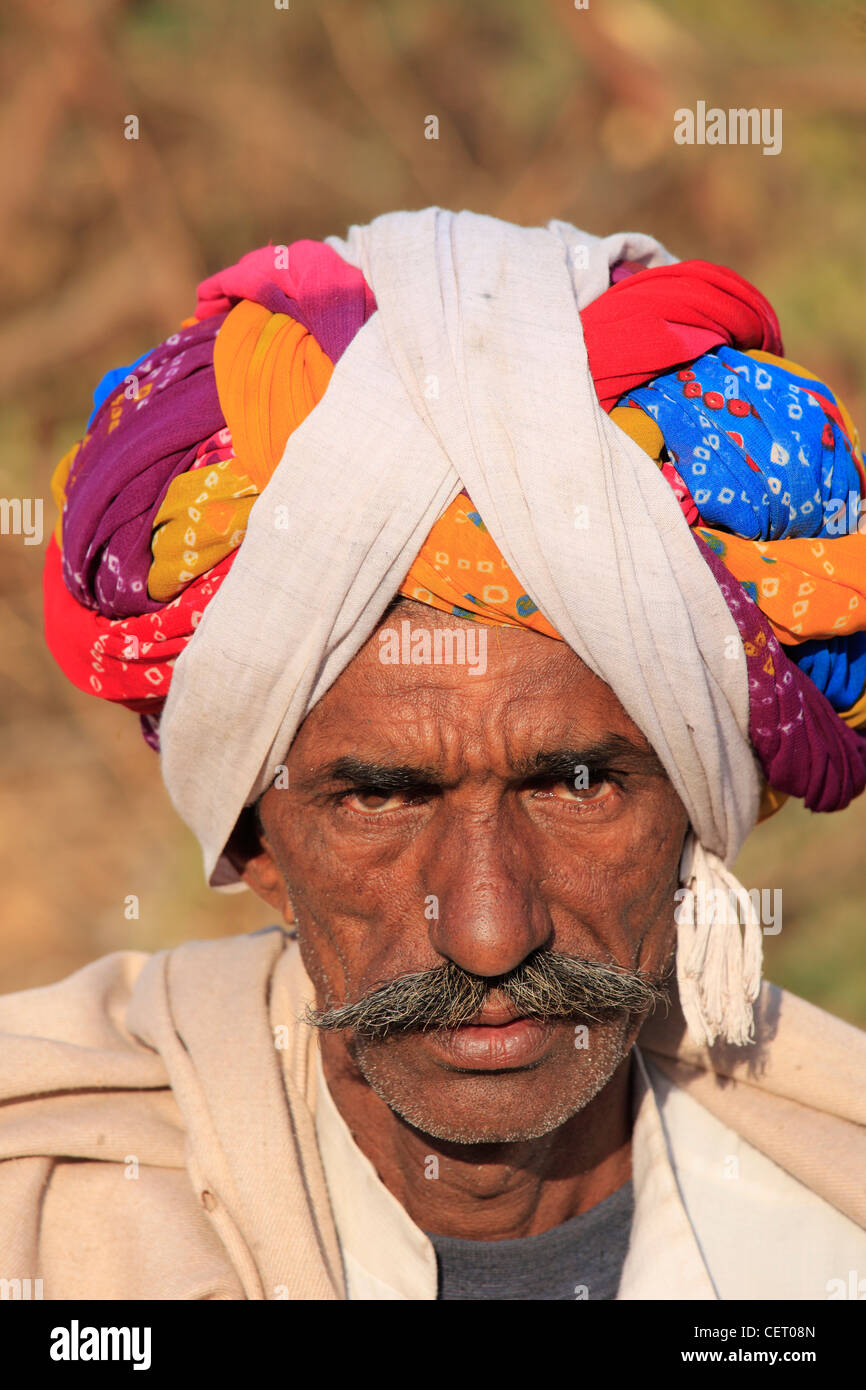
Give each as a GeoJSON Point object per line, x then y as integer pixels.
{"type": "Point", "coordinates": [250, 855]}
{"type": "Point", "coordinates": [262, 875]}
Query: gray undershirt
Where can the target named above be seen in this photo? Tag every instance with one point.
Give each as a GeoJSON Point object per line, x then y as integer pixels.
{"type": "Point", "coordinates": [581, 1259]}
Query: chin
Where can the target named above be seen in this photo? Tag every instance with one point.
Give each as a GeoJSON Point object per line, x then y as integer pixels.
{"type": "Point", "coordinates": [493, 1107]}
{"type": "Point", "coordinates": [497, 1130]}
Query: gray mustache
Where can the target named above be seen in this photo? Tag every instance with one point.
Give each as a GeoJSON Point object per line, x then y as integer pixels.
{"type": "Point", "coordinates": [545, 986]}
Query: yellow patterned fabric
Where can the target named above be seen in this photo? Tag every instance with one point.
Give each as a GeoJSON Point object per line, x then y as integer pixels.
{"type": "Point", "coordinates": [460, 569]}
{"type": "Point", "coordinates": [270, 373]}
{"type": "Point", "coordinates": [203, 518]}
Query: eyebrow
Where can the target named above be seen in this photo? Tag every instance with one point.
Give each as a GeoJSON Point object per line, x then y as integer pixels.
{"type": "Point", "coordinates": [613, 753]}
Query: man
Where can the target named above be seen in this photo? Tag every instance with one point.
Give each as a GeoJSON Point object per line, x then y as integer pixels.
{"type": "Point", "coordinates": [481, 696]}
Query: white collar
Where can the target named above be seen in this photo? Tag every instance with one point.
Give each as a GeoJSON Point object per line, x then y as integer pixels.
{"type": "Point", "coordinates": [386, 1256]}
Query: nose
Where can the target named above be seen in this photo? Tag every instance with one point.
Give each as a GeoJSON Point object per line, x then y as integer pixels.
{"type": "Point", "coordinates": [491, 913]}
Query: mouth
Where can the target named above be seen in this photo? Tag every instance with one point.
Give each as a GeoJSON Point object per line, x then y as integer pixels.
{"type": "Point", "coordinates": [493, 1016]}
{"type": "Point", "coordinates": [495, 1041]}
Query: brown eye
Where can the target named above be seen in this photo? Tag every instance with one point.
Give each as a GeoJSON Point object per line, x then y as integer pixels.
{"type": "Point", "coordinates": [596, 791]}
{"type": "Point", "coordinates": [371, 802]}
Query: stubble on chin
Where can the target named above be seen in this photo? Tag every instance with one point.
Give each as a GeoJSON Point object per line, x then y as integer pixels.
{"type": "Point", "coordinates": [503, 1107]}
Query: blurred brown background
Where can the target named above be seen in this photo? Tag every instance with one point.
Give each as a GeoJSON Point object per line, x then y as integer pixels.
{"type": "Point", "coordinates": [259, 124]}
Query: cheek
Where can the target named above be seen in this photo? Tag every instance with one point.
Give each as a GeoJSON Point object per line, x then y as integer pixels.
{"type": "Point", "coordinates": [355, 931]}
{"type": "Point", "coordinates": [621, 885]}
{"type": "Point", "coordinates": [297, 851]}
{"type": "Point", "coordinates": [346, 885]}
{"type": "Point", "coordinates": [649, 909]}
{"type": "Point", "coordinates": [333, 871]}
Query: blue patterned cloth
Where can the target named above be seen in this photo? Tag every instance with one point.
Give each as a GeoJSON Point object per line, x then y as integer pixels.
{"type": "Point", "coordinates": [764, 460]}
{"type": "Point", "coordinates": [758, 453]}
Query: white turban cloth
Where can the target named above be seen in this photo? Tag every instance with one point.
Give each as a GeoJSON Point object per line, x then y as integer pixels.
{"type": "Point", "coordinates": [473, 373]}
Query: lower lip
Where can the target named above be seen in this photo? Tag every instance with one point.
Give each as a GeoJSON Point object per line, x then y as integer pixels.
{"type": "Point", "coordinates": [501, 1048]}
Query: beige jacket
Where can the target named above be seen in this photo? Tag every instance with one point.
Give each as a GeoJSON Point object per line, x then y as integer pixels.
{"type": "Point", "coordinates": [165, 1133]}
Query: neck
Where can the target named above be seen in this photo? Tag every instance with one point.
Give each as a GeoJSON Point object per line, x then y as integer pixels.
{"type": "Point", "coordinates": [489, 1191]}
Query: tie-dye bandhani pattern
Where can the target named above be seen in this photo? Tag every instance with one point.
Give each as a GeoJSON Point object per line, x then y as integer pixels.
{"type": "Point", "coordinates": [138, 513]}
{"type": "Point", "coordinates": [270, 372]}
{"type": "Point", "coordinates": [127, 660]}
{"type": "Point", "coordinates": [202, 519]}
{"type": "Point", "coordinates": [155, 498]}
{"type": "Point", "coordinates": [786, 465]}
{"type": "Point", "coordinates": [460, 569]}
{"type": "Point", "coordinates": [807, 588]}
{"type": "Point", "coordinates": [761, 449]}
{"type": "Point", "coordinates": [145, 434]}
{"type": "Point", "coordinates": [137, 443]}
{"type": "Point", "coordinates": [805, 749]}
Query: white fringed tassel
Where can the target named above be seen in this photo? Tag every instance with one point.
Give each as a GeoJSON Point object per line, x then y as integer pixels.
{"type": "Point", "coordinates": [718, 967]}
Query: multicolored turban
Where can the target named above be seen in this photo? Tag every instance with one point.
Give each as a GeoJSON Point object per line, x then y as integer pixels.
{"type": "Point", "coordinates": [686, 359]}
{"type": "Point", "coordinates": [762, 456]}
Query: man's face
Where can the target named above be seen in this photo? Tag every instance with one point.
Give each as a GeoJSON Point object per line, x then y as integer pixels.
{"type": "Point", "coordinates": [435, 815]}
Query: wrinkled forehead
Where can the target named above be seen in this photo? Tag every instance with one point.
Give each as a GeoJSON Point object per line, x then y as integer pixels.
{"type": "Point", "coordinates": [441, 686]}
